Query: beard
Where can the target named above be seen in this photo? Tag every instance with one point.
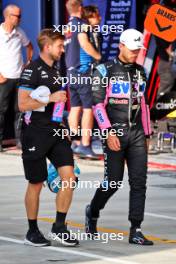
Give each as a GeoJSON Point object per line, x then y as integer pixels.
{"type": "Point", "coordinates": [54, 57]}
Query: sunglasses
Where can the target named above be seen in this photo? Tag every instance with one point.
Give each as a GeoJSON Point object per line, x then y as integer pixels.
{"type": "Point", "coordinates": [18, 16]}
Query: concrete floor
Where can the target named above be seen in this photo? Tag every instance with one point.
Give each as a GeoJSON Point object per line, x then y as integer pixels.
{"type": "Point", "coordinates": [160, 218]}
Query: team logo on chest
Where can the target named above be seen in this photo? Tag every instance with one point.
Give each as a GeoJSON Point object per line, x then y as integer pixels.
{"type": "Point", "coordinates": [44, 75]}
{"type": "Point", "coordinates": [120, 89]}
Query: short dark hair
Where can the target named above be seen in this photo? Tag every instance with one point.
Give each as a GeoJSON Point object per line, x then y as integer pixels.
{"type": "Point", "coordinates": [89, 11]}
{"type": "Point", "coordinates": [48, 35]}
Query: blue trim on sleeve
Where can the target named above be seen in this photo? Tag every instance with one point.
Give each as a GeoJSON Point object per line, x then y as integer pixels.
{"type": "Point", "coordinates": [26, 88]}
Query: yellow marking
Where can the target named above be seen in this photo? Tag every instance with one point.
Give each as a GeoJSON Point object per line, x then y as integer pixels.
{"type": "Point", "coordinates": [107, 230]}
{"type": "Point", "coordinates": [172, 114]}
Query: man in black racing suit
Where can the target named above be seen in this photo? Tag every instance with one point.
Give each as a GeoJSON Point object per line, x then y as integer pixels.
{"type": "Point", "coordinates": [119, 103]}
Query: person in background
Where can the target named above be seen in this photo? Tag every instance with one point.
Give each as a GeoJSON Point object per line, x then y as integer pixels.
{"type": "Point", "coordinates": [79, 55]}
{"type": "Point", "coordinates": [92, 16]}
{"type": "Point", "coordinates": [167, 80]}
{"type": "Point", "coordinates": [12, 39]}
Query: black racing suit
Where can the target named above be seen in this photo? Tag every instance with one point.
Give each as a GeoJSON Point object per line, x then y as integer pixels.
{"type": "Point", "coordinates": [120, 104]}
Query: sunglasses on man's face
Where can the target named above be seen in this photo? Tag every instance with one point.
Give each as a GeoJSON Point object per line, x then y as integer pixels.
{"type": "Point", "coordinates": [18, 16]}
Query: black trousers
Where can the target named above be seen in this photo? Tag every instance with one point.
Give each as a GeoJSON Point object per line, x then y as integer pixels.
{"type": "Point", "coordinates": [7, 91]}
{"type": "Point", "coordinates": [134, 152]}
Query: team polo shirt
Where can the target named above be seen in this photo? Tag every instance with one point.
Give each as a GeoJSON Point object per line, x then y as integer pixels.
{"type": "Point", "coordinates": [36, 74]}
{"type": "Point", "coordinates": [11, 59]}
{"type": "Point", "coordinates": [75, 57]}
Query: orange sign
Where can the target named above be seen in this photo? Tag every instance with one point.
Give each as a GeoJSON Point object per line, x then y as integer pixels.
{"type": "Point", "coordinates": [161, 22]}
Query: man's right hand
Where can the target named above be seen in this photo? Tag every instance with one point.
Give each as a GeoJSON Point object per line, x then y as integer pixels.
{"type": "Point", "coordinates": [60, 96]}
{"type": "Point", "coordinates": [2, 79]}
{"type": "Point", "coordinates": [113, 142]}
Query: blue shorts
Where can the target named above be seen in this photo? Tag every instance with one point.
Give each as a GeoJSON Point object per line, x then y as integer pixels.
{"type": "Point", "coordinates": [81, 91]}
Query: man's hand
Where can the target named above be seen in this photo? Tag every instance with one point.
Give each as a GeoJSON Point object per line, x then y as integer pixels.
{"type": "Point", "coordinates": [60, 96]}
{"type": "Point", "coordinates": [113, 142]}
{"type": "Point", "coordinates": [2, 79]}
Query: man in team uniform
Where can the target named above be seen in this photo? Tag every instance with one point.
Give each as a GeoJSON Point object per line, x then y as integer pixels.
{"type": "Point", "coordinates": [38, 91]}
{"type": "Point", "coordinates": [79, 56]}
{"type": "Point", "coordinates": [121, 105]}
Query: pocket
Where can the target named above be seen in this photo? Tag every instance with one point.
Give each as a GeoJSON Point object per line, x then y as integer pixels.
{"type": "Point", "coordinates": [33, 144]}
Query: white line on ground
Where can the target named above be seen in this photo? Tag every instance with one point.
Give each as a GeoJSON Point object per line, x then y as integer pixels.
{"type": "Point", "coordinates": [161, 216]}
{"type": "Point", "coordinates": [75, 252]}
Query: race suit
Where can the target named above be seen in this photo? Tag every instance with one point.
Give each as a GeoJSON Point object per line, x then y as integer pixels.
{"type": "Point", "coordinates": [119, 102]}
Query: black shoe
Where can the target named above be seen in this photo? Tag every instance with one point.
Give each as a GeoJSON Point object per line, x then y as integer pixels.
{"type": "Point", "coordinates": [136, 237]}
{"type": "Point", "coordinates": [63, 236]}
{"type": "Point", "coordinates": [90, 224]}
{"type": "Point", "coordinates": [36, 239]}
